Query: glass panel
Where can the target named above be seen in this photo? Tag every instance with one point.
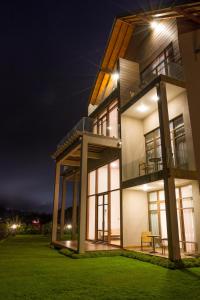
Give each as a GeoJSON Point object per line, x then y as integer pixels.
{"type": "Point", "coordinates": [95, 129]}
{"type": "Point", "coordinates": [152, 196]}
{"type": "Point", "coordinates": [92, 181]}
{"type": "Point", "coordinates": [100, 200]}
{"type": "Point", "coordinates": [115, 216]}
{"type": "Point", "coordinates": [105, 199]}
{"type": "Point", "coordinates": [161, 195]}
{"type": "Point", "coordinates": [188, 216]}
{"type": "Point", "coordinates": [103, 179]}
{"type": "Point", "coordinates": [163, 224]}
{"type": "Point", "coordinates": [113, 123]}
{"type": "Point", "coordinates": [162, 206]}
{"type": "Point", "coordinates": [106, 217]}
{"type": "Point", "coordinates": [186, 191]}
{"type": "Point", "coordinates": [100, 217]}
{"type": "Point", "coordinates": [114, 175]}
{"type": "Point", "coordinates": [91, 215]}
{"type": "Point", "coordinates": [153, 206]}
{"type": "Point", "coordinates": [154, 223]}
{"type": "Point", "coordinates": [187, 203]}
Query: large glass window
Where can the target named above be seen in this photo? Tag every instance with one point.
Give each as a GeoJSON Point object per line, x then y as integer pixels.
{"type": "Point", "coordinates": [185, 213]}
{"type": "Point", "coordinates": [104, 204]}
{"type": "Point", "coordinates": [107, 123]}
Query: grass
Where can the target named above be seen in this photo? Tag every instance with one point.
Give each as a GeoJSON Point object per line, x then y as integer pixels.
{"type": "Point", "coordinates": [29, 269]}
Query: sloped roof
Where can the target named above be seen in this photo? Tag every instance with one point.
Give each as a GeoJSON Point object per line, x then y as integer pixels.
{"type": "Point", "coordinates": [121, 33]}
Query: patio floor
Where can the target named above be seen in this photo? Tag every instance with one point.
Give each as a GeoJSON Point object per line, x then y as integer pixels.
{"type": "Point", "coordinates": [89, 246]}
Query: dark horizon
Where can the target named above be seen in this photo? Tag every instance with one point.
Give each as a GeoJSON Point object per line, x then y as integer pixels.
{"type": "Point", "coordinates": [50, 55]}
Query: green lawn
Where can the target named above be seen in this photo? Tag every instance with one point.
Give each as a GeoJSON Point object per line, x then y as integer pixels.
{"type": "Point", "coordinates": [29, 269]}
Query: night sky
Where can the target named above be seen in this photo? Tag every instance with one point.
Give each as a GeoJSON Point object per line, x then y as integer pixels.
{"type": "Point", "coordinates": [50, 52]}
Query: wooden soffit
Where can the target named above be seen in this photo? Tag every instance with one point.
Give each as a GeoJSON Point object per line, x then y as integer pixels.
{"type": "Point", "coordinates": [117, 44]}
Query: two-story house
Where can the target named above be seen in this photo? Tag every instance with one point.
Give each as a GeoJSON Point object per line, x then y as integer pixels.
{"type": "Point", "coordinates": [135, 160]}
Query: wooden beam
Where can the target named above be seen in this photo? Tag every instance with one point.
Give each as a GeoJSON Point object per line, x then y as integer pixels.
{"type": "Point", "coordinates": [186, 14]}
{"type": "Point", "coordinates": [71, 163]}
{"type": "Point", "coordinates": [169, 181]}
{"type": "Point", "coordinates": [91, 155]}
{"type": "Point", "coordinates": [63, 206]}
{"type": "Point", "coordinates": [74, 207]}
{"type": "Point", "coordinates": [55, 202]}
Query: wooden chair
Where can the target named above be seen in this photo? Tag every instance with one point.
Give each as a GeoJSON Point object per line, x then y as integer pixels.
{"type": "Point", "coordinates": [145, 238]}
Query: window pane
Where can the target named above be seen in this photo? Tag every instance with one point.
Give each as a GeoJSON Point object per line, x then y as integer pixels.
{"type": "Point", "coordinates": [186, 191]}
{"type": "Point", "coordinates": [114, 173]}
{"type": "Point", "coordinates": [154, 223]}
{"type": "Point", "coordinates": [91, 215]}
{"type": "Point", "coordinates": [103, 179]}
{"type": "Point", "coordinates": [92, 181]}
{"type": "Point", "coordinates": [153, 196]}
{"type": "Point", "coordinates": [113, 123]}
{"type": "Point", "coordinates": [161, 195]}
{"type": "Point", "coordinates": [115, 217]}
{"type": "Point", "coordinates": [163, 224]}
{"type": "Point", "coordinates": [187, 203]}
{"type": "Point", "coordinates": [153, 206]}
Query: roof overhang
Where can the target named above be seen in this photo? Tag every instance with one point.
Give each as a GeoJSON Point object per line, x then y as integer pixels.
{"type": "Point", "coordinates": [121, 34]}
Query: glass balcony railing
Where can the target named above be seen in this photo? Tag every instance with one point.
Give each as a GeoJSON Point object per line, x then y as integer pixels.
{"type": "Point", "coordinates": [83, 126]}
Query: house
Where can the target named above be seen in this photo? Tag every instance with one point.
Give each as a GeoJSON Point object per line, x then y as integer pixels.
{"type": "Point", "coordinates": [134, 161]}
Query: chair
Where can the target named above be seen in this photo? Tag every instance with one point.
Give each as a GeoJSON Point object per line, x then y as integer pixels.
{"type": "Point", "coordinates": [145, 238]}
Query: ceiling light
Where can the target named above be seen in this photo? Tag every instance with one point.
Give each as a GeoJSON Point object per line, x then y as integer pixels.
{"type": "Point", "coordinates": [114, 165]}
{"type": "Point", "coordinates": [115, 76]}
{"type": "Point", "coordinates": [142, 108]}
{"type": "Point", "coordinates": [155, 98]}
{"type": "Point", "coordinates": [145, 187]}
{"type": "Point", "coordinates": [157, 26]}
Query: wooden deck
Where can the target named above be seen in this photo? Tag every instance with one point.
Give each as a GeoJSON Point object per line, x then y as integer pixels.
{"type": "Point", "coordinates": [89, 246]}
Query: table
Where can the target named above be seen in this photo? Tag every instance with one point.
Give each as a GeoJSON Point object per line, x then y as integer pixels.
{"type": "Point", "coordinates": [154, 236]}
{"type": "Point", "coordinates": [156, 161]}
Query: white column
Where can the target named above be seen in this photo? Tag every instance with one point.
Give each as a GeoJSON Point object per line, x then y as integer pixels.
{"type": "Point", "coordinates": [196, 201]}
{"type": "Point", "coordinates": [83, 195]}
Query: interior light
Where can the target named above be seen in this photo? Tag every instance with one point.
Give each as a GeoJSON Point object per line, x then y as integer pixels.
{"type": "Point", "coordinates": [114, 165]}
{"type": "Point", "coordinates": [142, 108]}
{"type": "Point", "coordinates": [109, 127]}
{"type": "Point", "coordinates": [155, 98]}
{"type": "Point", "coordinates": [68, 226]}
{"type": "Point", "coordinates": [145, 187]}
{"type": "Point", "coordinates": [115, 76]}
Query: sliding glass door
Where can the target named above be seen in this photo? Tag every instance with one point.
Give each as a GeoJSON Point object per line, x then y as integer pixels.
{"type": "Point", "coordinates": [102, 217]}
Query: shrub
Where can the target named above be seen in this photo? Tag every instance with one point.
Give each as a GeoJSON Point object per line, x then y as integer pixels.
{"type": "Point", "coordinates": [3, 230]}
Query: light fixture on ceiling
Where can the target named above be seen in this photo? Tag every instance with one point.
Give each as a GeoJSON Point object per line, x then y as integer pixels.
{"type": "Point", "coordinates": [145, 187]}
{"type": "Point", "coordinates": [154, 24]}
{"type": "Point", "coordinates": [114, 165]}
{"type": "Point", "coordinates": [142, 108]}
{"type": "Point", "coordinates": [155, 98]}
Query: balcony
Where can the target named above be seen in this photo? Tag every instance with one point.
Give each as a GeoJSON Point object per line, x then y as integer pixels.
{"type": "Point", "coordinates": [172, 69]}
{"type": "Point", "coordinates": [85, 125]}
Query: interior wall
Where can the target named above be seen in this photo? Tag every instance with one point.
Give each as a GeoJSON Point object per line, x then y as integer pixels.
{"type": "Point", "coordinates": [135, 216]}
{"type": "Point", "coordinates": [133, 146]}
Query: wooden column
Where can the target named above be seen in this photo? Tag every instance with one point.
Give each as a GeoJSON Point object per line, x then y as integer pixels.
{"type": "Point", "coordinates": [63, 206]}
{"type": "Point", "coordinates": [74, 207]}
{"type": "Point", "coordinates": [55, 202]}
{"type": "Point", "coordinates": [169, 184]}
{"type": "Point", "coordinates": [83, 194]}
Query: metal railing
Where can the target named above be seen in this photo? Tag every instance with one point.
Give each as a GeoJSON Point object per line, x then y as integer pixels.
{"type": "Point", "coordinates": [172, 69]}
{"type": "Point", "coordinates": [84, 125]}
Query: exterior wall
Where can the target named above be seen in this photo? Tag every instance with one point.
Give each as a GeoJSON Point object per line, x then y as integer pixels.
{"type": "Point", "coordinates": [135, 219]}
{"type": "Point", "coordinates": [133, 146]}
{"type": "Point", "coordinates": [196, 200]}
{"type": "Point", "coordinates": [189, 43]}
{"type": "Point", "coordinates": [147, 43]}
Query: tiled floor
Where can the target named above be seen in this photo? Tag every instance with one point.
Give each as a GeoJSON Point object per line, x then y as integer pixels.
{"type": "Point", "coordinates": [89, 246]}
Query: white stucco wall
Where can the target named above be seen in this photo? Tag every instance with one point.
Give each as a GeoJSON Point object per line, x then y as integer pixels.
{"type": "Point", "coordinates": [133, 146]}
{"type": "Point", "coordinates": [135, 216]}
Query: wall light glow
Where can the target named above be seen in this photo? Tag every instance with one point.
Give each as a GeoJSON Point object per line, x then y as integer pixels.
{"type": "Point", "coordinates": [115, 76]}
{"type": "Point", "coordinates": [157, 26]}
{"type": "Point", "coordinates": [155, 98]}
